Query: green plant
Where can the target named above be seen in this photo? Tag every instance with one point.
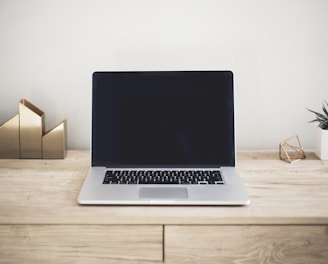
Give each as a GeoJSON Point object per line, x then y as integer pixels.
{"type": "Point", "coordinates": [322, 119]}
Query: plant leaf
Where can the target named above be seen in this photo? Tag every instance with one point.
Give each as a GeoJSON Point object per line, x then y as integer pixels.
{"type": "Point", "coordinates": [322, 119]}
{"type": "Point", "coordinates": [317, 114]}
{"type": "Point", "coordinates": [325, 109]}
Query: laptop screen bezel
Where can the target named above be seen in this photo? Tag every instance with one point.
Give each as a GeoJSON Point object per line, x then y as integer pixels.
{"type": "Point", "coordinates": [102, 160]}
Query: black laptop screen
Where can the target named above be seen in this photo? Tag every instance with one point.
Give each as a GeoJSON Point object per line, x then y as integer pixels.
{"type": "Point", "coordinates": [174, 118]}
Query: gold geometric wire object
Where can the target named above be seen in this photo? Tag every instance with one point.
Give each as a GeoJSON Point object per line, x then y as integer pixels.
{"type": "Point", "coordinates": [291, 149]}
{"type": "Point", "coordinates": [24, 136]}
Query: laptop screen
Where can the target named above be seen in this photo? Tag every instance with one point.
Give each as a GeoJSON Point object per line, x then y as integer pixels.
{"type": "Point", "coordinates": [166, 118]}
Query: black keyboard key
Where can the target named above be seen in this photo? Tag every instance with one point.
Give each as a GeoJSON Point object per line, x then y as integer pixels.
{"type": "Point", "coordinates": [162, 177]}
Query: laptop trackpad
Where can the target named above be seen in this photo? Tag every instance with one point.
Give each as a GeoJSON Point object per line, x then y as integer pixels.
{"type": "Point", "coordinates": [163, 192]}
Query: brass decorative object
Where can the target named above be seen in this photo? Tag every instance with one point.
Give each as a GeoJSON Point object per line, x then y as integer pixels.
{"type": "Point", "coordinates": [53, 142]}
{"type": "Point", "coordinates": [31, 129]}
{"type": "Point", "coordinates": [24, 136]}
{"type": "Point", "coordinates": [291, 149]}
{"type": "Point", "coordinates": [9, 138]}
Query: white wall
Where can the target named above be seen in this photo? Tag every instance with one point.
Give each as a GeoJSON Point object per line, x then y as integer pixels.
{"type": "Point", "coordinates": [278, 50]}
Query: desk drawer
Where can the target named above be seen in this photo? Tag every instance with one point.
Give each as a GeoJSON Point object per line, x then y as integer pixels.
{"type": "Point", "coordinates": [80, 244]}
{"type": "Point", "coordinates": [246, 244]}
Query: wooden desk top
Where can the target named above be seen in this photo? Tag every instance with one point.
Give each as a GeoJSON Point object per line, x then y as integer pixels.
{"type": "Point", "coordinates": [45, 192]}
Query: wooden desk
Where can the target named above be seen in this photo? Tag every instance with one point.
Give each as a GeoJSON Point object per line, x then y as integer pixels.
{"type": "Point", "coordinates": [41, 222]}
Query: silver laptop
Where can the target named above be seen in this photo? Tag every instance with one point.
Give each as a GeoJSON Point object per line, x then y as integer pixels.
{"type": "Point", "coordinates": [163, 137]}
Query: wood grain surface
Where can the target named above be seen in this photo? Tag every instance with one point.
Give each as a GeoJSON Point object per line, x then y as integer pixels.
{"type": "Point", "coordinates": [246, 244]}
{"type": "Point", "coordinates": [80, 244]}
{"type": "Point", "coordinates": [45, 192]}
{"type": "Point", "coordinates": [286, 222]}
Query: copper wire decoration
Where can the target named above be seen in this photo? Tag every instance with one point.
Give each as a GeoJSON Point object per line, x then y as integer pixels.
{"type": "Point", "coordinates": [291, 149]}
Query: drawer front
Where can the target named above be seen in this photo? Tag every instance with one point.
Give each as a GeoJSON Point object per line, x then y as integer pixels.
{"type": "Point", "coordinates": [246, 244]}
{"type": "Point", "coordinates": [80, 244]}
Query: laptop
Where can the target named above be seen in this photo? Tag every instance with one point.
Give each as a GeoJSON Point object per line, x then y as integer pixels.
{"type": "Point", "coordinates": [163, 138]}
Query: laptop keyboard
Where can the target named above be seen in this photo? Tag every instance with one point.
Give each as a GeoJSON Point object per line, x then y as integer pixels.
{"type": "Point", "coordinates": [163, 177]}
